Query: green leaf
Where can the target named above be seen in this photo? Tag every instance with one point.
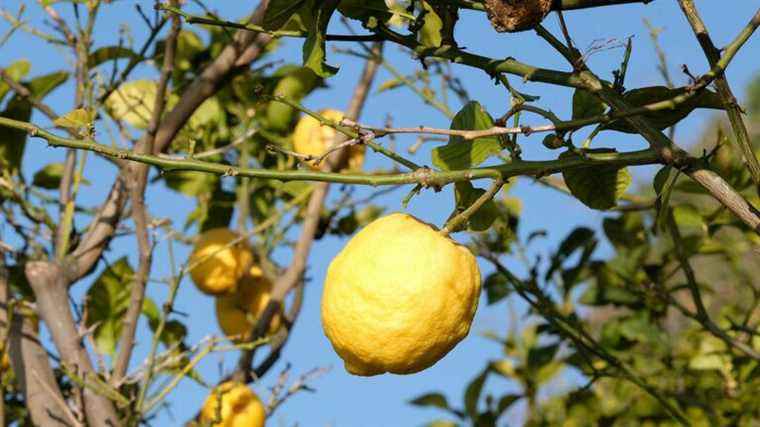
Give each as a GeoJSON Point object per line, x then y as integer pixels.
{"type": "Point", "coordinates": [625, 231]}
{"type": "Point", "coordinates": [462, 154]}
{"type": "Point", "coordinates": [690, 222]}
{"type": "Point", "coordinates": [314, 47]}
{"type": "Point", "coordinates": [106, 303]}
{"type": "Point", "coordinates": [465, 195]}
{"type": "Point", "coordinates": [472, 393]}
{"type": "Point", "coordinates": [437, 400]}
{"type": "Point", "coordinates": [189, 45]}
{"type": "Point", "coordinates": [16, 71]}
{"type": "Point", "coordinates": [538, 357]}
{"type": "Point", "coordinates": [174, 331]}
{"type": "Point", "coordinates": [191, 183]}
{"type": "Point", "coordinates": [663, 186]}
{"type": "Point", "coordinates": [609, 287]}
{"type": "Point", "coordinates": [104, 54]}
{"type": "Point", "coordinates": [42, 85]}
{"type": "Point", "coordinates": [497, 287]}
{"type": "Point", "coordinates": [279, 12]}
{"type": "Point", "coordinates": [294, 85]}
{"type": "Point", "coordinates": [586, 104]}
{"type": "Point", "coordinates": [213, 210]}
{"type": "Point", "coordinates": [430, 33]}
{"type": "Point", "coordinates": [208, 113]}
{"type": "Point", "coordinates": [506, 401]}
{"type": "Point", "coordinates": [13, 141]}
{"type": "Point", "coordinates": [75, 119]}
{"type": "Point", "coordinates": [364, 10]}
{"type": "Point", "coordinates": [49, 177]}
{"type": "Point", "coordinates": [548, 372]}
{"type": "Point", "coordinates": [665, 118]}
{"type": "Point", "coordinates": [598, 187]}
{"type": "Point", "coordinates": [133, 102]}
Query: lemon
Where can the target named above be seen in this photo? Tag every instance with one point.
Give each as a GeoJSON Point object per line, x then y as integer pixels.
{"type": "Point", "coordinates": [237, 313]}
{"type": "Point", "coordinates": [312, 139]}
{"type": "Point", "coordinates": [240, 407]}
{"type": "Point", "coordinates": [216, 264]}
{"type": "Point", "coordinates": [398, 297]}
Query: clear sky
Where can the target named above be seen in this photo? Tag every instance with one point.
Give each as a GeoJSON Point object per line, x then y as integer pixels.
{"type": "Point", "coordinates": [342, 399]}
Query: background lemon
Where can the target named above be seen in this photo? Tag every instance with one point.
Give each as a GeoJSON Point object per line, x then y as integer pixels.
{"type": "Point", "coordinates": [398, 297]}
{"type": "Point", "coordinates": [223, 264]}
{"type": "Point", "coordinates": [310, 138]}
{"type": "Point", "coordinates": [240, 407]}
{"type": "Point", "coordinates": [237, 313]}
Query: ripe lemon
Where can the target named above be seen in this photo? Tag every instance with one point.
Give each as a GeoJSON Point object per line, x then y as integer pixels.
{"type": "Point", "coordinates": [312, 139]}
{"type": "Point", "coordinates": [218, 265]}
{"type": "Point", "coordinates": [240, 407]}
{"type": "Point", "coordinates": [237, 313]}
{"type": "Point", "coordinates": [398, 297]}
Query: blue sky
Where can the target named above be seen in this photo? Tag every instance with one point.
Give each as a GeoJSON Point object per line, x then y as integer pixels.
{"type": "Point", "coordinates": [342, 399]}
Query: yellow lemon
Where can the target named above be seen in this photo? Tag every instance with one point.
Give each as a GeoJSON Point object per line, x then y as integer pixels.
{"type": "Point", "coordinates": [237, 313]}
{"type": "Point", "coordinates": [5, 362]}
{"type": "Point", "coordinates": [398, 297]}
{"type": "Point", "coordinates": [240, 407]}
{"type": "Point", "coordinates": [216, 264]}
{"type": "Point", "coordinates": [312, 139]}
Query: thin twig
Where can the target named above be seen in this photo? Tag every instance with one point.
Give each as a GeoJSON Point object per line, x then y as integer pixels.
{"type": "Point", "coordinates": [733, 109]}
{"type": "Point", "coordinates": [461, 218]}
{"type": "Point", "coordinates": [139, 178]}
{"type": "Point", "coordinates": [702, 316]}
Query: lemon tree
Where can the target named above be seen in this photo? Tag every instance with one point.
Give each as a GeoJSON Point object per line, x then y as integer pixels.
{"type": "Point", "coordinates": [160, 169]}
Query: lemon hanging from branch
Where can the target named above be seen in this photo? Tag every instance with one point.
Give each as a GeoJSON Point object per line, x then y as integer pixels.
{"type": "Point", "coordinates": [240, 407]}
{"type": "Point", "coordinates": [398, 297]}
{"type": "Point", "coordinates": [218, 261]}
{"type": "Point", "coordinates": [237, 313]}
{"type": "Point", "coordinates": [312, 139]}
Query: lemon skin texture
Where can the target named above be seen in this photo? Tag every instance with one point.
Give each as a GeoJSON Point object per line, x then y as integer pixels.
{"type": "Point", "coordinates": [312, 139]}
{"type": "Point", "coordinates": [237, 313]}
{"type": "Point", "coordinates": [219, 265]}
{"type": "Point", "coordinates": [240, 407]}
{"type": "Point", "coordinates": [398, 297]}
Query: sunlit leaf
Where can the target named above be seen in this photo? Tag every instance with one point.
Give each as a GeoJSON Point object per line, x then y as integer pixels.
{"type": "Point", "coordinates": [75, 119]}
{"type": "Point", "coordinates": [314, 47]}
{"type": "Point", "coordinates": [104, 54]}
{"type": "Point", "coordinates": [460, 153]}
{"type": "Point", "coordinates": [430, 33]}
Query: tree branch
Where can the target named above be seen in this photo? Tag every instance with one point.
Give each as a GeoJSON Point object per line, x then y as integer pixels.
{"type": "Point", "coordinates": [138, 179]}
{"type": "Point", "coordinates": [461, 218]}
{"type": "Point", "coordinates": [733, 109]}
{"type": "Point", "coordinates": [293, 276]}
{"type": "Point", "coordinates": [244, 48]}
{"type": "Point", "coordinates": [701, 315]}
{"type": "Point", "coordinates": [669, 152]}
{"type": "Point", "coordinates": [48, 281]}
{"type": "Point", "coordinates": [424, 176]}
{"type": "Point", "coordinates": [29, 361]}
